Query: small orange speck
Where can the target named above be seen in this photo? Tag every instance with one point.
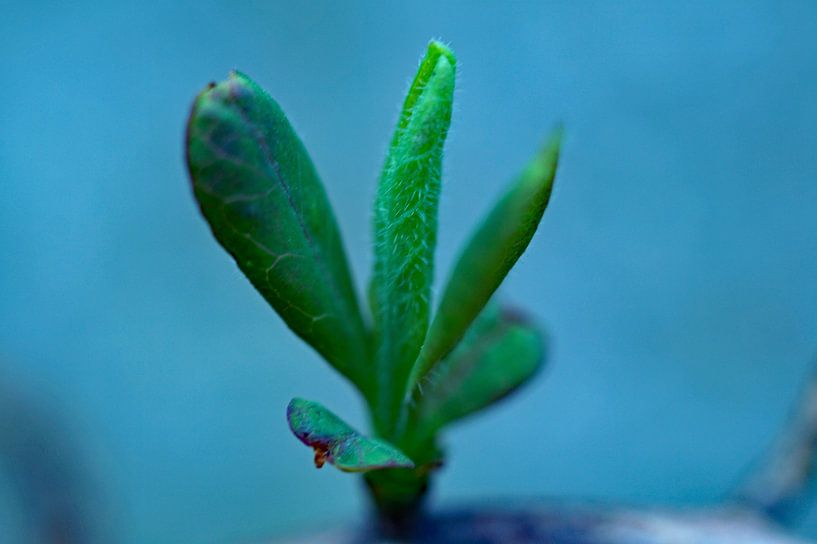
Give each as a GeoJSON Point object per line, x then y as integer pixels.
{"type": "Point", "coordinates": [320, 457]}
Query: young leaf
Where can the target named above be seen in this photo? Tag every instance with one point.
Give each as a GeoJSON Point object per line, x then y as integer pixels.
{"type": "Point", "coordinates": [405, 225]}
{"type": "Point", "coordinates": [259, 191]}
{"type": "Point", "coordinates": [491, 252]}
{"type": "Point", "coordinates": [337, 443]}
{"type": "Point", "coordinates": [500, 352]}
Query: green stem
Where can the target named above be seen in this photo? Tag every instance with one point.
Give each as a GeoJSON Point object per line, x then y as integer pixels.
{"type": "Point", "coordinates": [398, 497]}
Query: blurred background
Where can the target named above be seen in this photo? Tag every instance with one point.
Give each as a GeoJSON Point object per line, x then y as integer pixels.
{"type": "Point", "coordinates": [143, 383]}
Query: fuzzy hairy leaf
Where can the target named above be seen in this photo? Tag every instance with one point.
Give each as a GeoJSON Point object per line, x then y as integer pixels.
{"type": "Point", "coordinates": [262, 197]}
{"type": "Point", "coordinates": [500, 352]}
{"type": "Point", "coordinates": [489, 255]}
{"type": "Point", "coordinates": [405, 229]}
{"type": "Point", "coordinates": [337, 443]}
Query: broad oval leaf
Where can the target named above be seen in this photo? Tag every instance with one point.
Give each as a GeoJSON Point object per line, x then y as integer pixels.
{"type": "Point", "coordinates": [405, 229]}
{"type": "Point", "coordinates": [262, 197]}
{"type": "Point", "coordinates": [489, 255]}
{"type": "Point", "coordinates": [500, 352]}
{"type": "Point", "coordinates": [337, 443]}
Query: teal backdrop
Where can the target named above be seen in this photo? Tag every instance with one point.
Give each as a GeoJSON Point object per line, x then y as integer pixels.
{"type": "Point", "coordinates": [675, 269]}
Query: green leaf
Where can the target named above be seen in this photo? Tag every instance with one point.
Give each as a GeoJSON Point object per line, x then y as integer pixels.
{"type": "Point", "coordinates": [405, 229]}
{"type": "Point", "coordinates": [500, 352]}
{"type": "Point", "coordinates": [489, 255]}
{"type": "Point", "coordinates": [336, 442]}
{"type": "Point", "coordinates": [259, 191]}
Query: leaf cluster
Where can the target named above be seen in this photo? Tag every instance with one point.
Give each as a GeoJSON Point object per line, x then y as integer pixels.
{"type": "Point", "coordinates": [419, 369]}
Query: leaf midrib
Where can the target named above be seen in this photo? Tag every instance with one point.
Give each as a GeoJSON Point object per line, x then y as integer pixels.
{"type": "Point", "coordinates": [272, 164]}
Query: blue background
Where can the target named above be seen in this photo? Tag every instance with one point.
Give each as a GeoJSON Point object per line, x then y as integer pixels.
{"type": "Point", "coordinates": [674, 269]}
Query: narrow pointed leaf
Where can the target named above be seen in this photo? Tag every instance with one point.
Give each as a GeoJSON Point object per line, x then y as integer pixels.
{"type": "Point", "coordinates": [405, 225]}
{"type": "Point", "coordinates": [500, 352]}
{"type": "Point", "coordinates": [337, 443]}
{"type": "Point", "coordinates": [262, 197]}
{"type": "Point", "coordinates": [489, 255]}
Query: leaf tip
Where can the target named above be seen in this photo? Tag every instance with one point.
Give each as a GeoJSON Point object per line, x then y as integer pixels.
{"type": "Point", "coordinates": [436, 48]}
{"type": "Point", "coordinates": [297, 419]}
{"type": "Point", "coordinates": [539, 174]}
{"type": "Point", "coordinates": [552, 146]}
{"type": "Point", "coordinates": [556, 137]}
{"type": "Point", "coordinates": [443, 62]}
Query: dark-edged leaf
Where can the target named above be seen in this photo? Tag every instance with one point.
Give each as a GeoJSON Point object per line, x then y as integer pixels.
{"type": "Point", "coordinates": [405, 228]}
{"type": "Point", "coordinates": [259, 191]}
{"type": "Point", "coordinates": [337, 443]}
{"type": "Point", "coordinates": [500, 352]}
{"type": "Point", "coordinates": [491, 252]}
